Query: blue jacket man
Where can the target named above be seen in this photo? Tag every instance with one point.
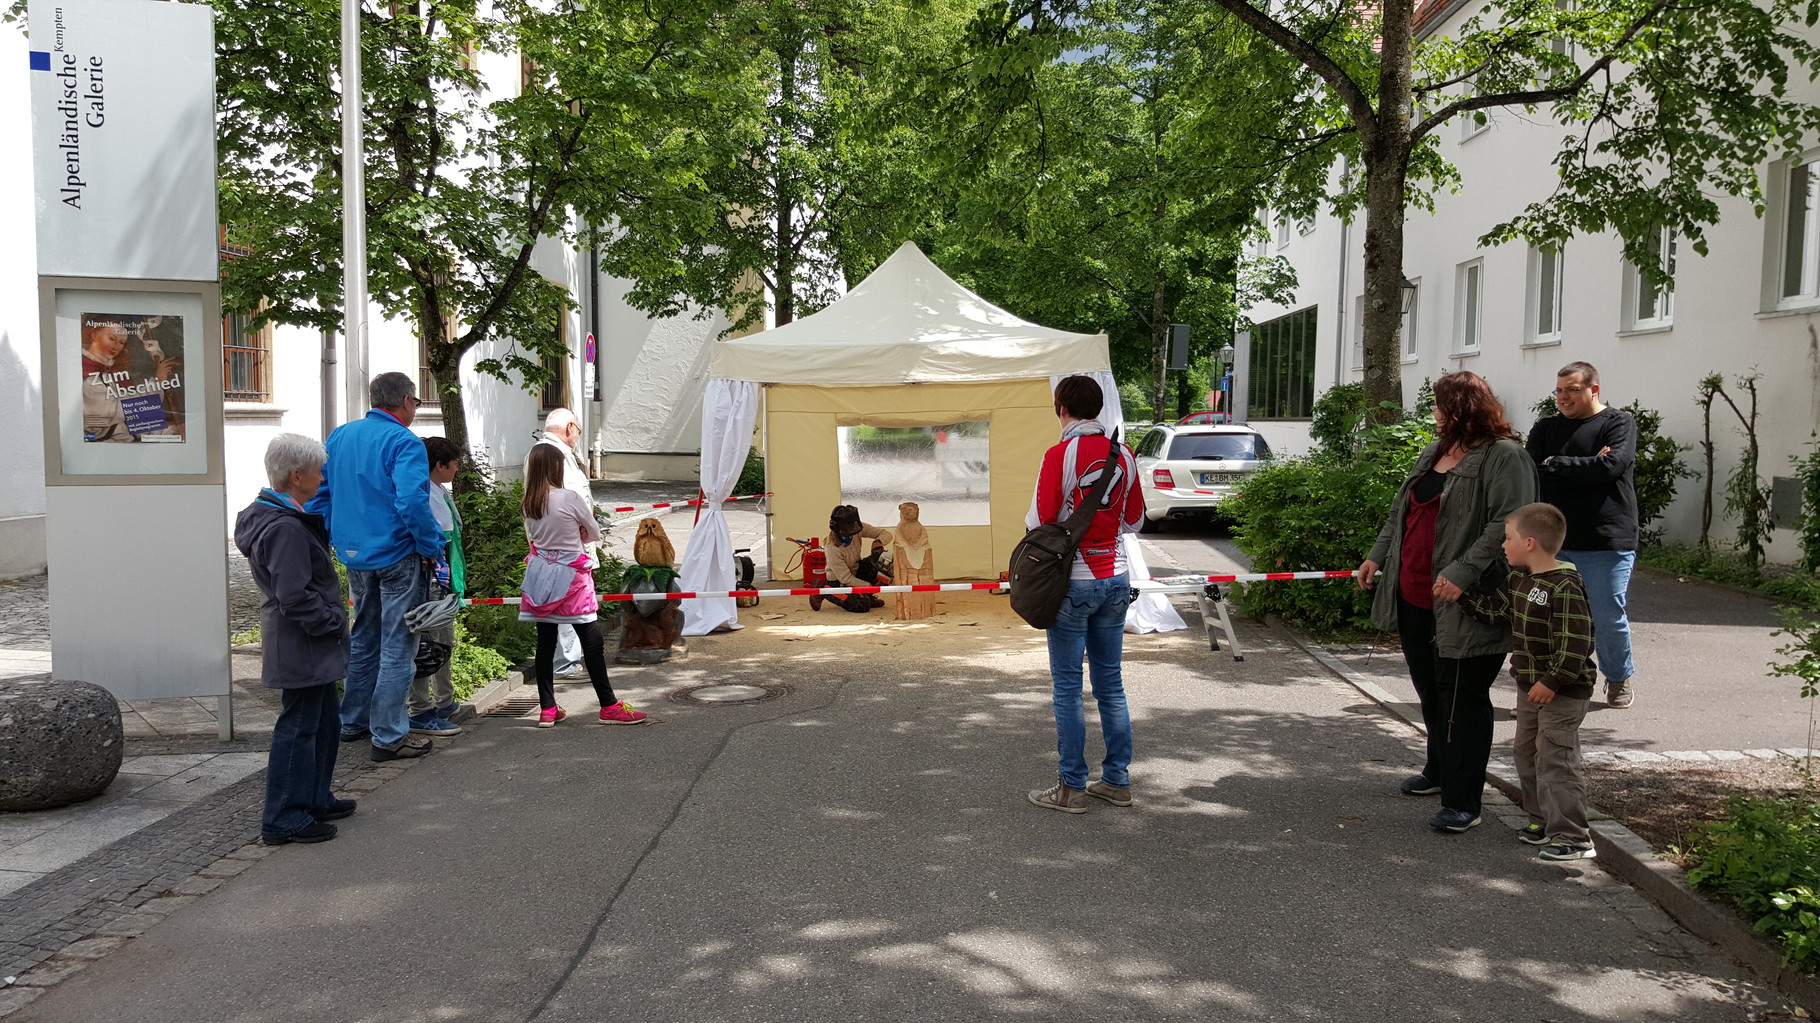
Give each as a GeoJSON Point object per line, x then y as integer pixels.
{"type": "Point", "coordinates": [375, 499]}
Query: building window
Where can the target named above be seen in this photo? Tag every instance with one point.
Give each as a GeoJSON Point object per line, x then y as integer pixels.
{"type": "Point", "coordinates": [1411, 318]}
{"type": "Point", "coordinates": [1469, 291]}
{"type": "Point", "coordinates": [555, 390]}
{"type": "Point", "coordinates": [1282, 366]}
{"type": "Point", "coordinates": [1650, 305]}
{"type": "Point", "coordinates": [1473, 124]}
{"type": "Point", "coordinates": [1282, 224]}
{"type": "Point", "coordinates": [1799, 278]}
{"type": "Point", "coordinates": [247, 356]}
{"type": "Point", "coordinates": [1545, 287]}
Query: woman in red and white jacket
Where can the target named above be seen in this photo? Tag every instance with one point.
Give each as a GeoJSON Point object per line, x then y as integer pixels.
{"type": "Point", "coordinates": [1092, 618]}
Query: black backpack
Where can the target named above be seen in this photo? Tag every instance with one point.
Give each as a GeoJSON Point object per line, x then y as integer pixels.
{"type": "Point", "coordinates": [1043, 560]}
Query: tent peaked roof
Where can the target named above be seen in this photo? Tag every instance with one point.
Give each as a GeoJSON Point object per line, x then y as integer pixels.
{"type": "Point", "coordinates": [907, 323]}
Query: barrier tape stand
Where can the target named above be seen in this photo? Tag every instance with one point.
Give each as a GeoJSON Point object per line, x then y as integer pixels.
{"type": "Point", "coordinates": [1205, 587]}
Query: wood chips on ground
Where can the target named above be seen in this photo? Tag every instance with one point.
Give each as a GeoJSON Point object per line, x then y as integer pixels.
{"type": "Point", "coordinates": [1664, 802]}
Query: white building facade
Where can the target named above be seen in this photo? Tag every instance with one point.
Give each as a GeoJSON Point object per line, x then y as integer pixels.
{"type": "Point", "coordinates": [1515, 314]}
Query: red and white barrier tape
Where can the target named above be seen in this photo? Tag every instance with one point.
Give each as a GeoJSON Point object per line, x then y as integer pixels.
{"type": "Point", "coordinates": [679, 504]}
{"type": "Point", "coordinates": [1160, 584]}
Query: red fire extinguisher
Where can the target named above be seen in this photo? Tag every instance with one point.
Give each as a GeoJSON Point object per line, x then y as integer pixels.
{"type": "Point", "coordinates": [814, 559]}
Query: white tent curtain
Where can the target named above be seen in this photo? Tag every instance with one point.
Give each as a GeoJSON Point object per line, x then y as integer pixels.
{"type": "Point", "coordinates": [729, 409]}
{"type": "Point", "coordinates": [1151, 612]}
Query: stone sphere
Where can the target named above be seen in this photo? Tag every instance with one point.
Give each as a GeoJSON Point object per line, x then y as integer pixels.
{"type": "Point", "coordinates": [60, 742]}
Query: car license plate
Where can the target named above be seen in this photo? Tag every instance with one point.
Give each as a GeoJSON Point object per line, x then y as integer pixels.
{"type": "Point", "coordinates": [1210, 478]}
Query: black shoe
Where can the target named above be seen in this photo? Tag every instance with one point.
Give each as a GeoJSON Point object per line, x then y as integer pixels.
{"type": "Point", "coordinates": [1419, 785]}
{"type": "Point", "coordinates": [355, 736]}
{"type": "Point", "coordinates": [315, 831]}
{"type": "Point", "coordinates": [338, 808]}
{"type": "Point", "coordinates": [1453, 820]}
{"type": "Point", "coordinates": [1533, 834]}
{"type": "Point", "coordinates": [412, 746]}
{"type": "Point", "coordinates": [858, 603]}
{"type": "Point", "coordinates": [815, 602]}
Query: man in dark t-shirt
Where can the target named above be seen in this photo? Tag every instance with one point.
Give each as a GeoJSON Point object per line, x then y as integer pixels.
{"type": "Point", "coordinates": [1586, 456]}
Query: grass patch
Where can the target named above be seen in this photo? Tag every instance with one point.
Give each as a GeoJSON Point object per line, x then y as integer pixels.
{"type": "Point", "coordinates": [1764, 857]}
{"type": "Point", "coordinates": [1787, 583]}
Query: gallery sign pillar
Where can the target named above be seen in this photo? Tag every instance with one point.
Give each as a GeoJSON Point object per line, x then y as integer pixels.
{"type": "Point", "coordinates": [129, 294]}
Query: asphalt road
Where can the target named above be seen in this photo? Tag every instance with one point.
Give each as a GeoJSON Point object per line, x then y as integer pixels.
{"type": "Point", "coordinates": [860, 849]}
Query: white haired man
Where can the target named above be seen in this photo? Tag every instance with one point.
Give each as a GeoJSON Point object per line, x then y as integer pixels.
{"type": "Point", "coordinates": [562, 431]}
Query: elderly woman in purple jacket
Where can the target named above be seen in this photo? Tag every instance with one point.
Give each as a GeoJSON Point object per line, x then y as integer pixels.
{"type": "Point", "coordinates": [304, 629]}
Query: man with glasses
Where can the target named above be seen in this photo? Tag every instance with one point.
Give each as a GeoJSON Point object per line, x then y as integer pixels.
{"type": "Point", "coordinates": [1586, 455]}
{"type": "Point", "coordinates": [375, 499]}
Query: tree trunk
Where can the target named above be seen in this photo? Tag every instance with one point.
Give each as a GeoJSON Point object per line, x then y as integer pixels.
{"type": "Point", "coordinates": [1386, 150]}
{"type": "Point", "coordinates": [1159, 348]}
{"type": "Point", "coordinates": [1383, 317]}
{"type": "Point", "coordinates": [784, 245]}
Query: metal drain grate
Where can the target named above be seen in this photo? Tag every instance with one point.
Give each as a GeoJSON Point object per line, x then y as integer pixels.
{"type": "Point", "coordinates": [728, 694]}
{"type": "Point", "coordinates": [514, 705]}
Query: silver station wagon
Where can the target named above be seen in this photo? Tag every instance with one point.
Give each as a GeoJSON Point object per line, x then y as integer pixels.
{"type": "Point", "coordinates": [1187, 470]}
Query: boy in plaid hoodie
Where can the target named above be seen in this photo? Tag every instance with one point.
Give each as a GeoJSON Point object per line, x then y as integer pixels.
{"type": "Point", "coordinates": [1544, 601]}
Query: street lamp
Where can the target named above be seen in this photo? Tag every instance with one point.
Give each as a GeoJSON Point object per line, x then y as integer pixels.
{"type": "Point", "coordinates": [1409, 294]}
{"type": "Point", "coordinates": [1227, 355]}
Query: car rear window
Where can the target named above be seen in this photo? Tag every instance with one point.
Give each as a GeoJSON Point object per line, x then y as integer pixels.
{"type": "Point", "coordinates": [1218, 447]}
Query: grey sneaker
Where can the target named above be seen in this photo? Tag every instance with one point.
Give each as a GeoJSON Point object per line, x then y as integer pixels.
{"type": "Point", "coordinates": [1559, 851]}
{"type": "Point", "coordinates": [1618, 694]}
{"type": "Point", "coordinates": [1060, 797]}
{"type": "Point", "coordinates": [1533, 834]}
{"type": "Point", "coordinates": [1115, 794]}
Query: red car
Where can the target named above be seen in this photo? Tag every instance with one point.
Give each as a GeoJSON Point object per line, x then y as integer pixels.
{"type": "Point", "coordinates": [1205, 419]}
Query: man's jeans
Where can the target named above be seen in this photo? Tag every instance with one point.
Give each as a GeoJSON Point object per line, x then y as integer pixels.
{"type": "Point", "coordinates": [302, 761]}
{"type": "Point", "coordinates": [381, 651]}
{"type": "Point", "coordinates": [1607, 576]}
{"type": "Point", "coordinates": [1092, 620]}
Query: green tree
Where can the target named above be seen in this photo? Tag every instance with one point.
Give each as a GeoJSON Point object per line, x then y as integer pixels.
{"type": "Point", "coordinates": [465, 179]}
{"type": "Point", "coordinates": [1665, 103]}
{"type": "Point", "coordinates": [1087, 197]}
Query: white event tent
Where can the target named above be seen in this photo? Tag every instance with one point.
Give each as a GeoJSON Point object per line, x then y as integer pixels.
{"type": "Point", "coordinates": [906, 347]}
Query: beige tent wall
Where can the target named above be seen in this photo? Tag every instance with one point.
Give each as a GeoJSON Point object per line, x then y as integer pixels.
{"type": "Point", "coordinates": [803, 465]}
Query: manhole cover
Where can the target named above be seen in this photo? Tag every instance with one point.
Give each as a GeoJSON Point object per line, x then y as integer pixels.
{"type": "Point", "coordinates": [723, 694]}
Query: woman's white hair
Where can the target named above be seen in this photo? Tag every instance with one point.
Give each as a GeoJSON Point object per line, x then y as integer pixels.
{"type": "Point", "coordinates": [289, 451]}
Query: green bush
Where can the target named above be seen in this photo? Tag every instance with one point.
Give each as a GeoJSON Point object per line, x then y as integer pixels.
{"type": "Point", "coordinates": [1765, 857]}
{"type": "Point", "coordinates": [493, 541]}
{"type": "Point", "coordinates": [892, 440]}
{"type": "Point", "coordinates": [1338, 414]}
{"type": "Point", "coordinates": [474, 666]}
{"type": "Point", "coordinates": [1319, 513]}
{"type": "Point", "coordinates": [752, 477]}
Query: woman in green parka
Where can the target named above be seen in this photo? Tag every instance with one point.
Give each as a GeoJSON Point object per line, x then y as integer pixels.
{"type": "Point", "coordinates": [1442, 540]}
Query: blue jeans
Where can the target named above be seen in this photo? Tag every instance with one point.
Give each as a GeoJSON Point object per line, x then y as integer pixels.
{"type": "Point", "coordinates": [302, 762]}
{"type": "Point", "coordinates": [1092, 620]}
{"type": "Point", "coordinates": [381, 652]}
{"type": "Point", "coordinates": [1607, 576]}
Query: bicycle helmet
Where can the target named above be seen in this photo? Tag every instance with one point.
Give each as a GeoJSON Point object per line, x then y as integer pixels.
{"type": "Point", "coordinates": [432, 654]}
{"type": "Point", "coordinates": [436, 613]}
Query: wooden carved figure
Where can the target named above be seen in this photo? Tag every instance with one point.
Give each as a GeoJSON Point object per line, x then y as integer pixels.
{"type": "Point", "coordinates": [913, 562]}
{"type": "Point", "coordinates": [653, 626]}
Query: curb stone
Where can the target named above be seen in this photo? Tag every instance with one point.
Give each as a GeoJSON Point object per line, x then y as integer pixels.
{"type": "Point", "coordinates": [1624, 853]}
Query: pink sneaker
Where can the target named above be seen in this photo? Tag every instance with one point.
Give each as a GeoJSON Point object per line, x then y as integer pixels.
{"type": "Point", "coordinates": [548, 717]}
{"type": "Point", "coordinates": [622, 713]}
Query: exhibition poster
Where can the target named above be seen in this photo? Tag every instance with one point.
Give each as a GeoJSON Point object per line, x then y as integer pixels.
{"type": "Point", "coordinates": [132, 378]}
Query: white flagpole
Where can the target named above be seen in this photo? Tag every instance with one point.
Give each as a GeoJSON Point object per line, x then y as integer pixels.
{"type": "Point", "coordinates": [354, 217]}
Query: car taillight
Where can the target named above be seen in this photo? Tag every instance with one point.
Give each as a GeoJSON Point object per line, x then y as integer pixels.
{"type": "Point", "coordinates": [1164, 481]}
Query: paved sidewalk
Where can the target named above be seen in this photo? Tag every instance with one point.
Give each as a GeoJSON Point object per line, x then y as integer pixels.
{"type": "Point", "coordinates": [859, 848]}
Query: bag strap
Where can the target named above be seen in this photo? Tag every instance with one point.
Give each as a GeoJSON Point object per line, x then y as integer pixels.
{"type": "Point", "coordinates": [1082, 517]}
